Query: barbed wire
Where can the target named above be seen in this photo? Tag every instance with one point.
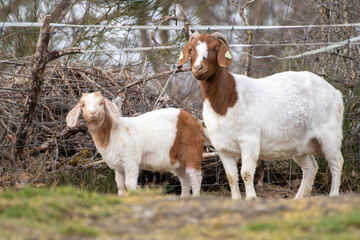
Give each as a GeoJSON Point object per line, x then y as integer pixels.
{"type": "Point", "coordinates": [96, 3]}
{"type": "Point", "coordinates": [174, 27]}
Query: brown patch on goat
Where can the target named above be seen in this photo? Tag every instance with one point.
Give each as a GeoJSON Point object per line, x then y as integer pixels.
{"type": "Point", "coordinates": [230, 179]}
{"type": "Point", "coordinates": [101, 134]}
{"type": "Point", "coordinates": [220, 90]}
{"type": "Point", "coordinates": [188, 145]}
{"type": "Point", "coordinates": [246, 178]}
{"type": "Point", "coordinates": [128, 131]}
{"type": "Point", "coordinates": [98, 94]}
{"type": "Point", "coordinates": [317, 147]}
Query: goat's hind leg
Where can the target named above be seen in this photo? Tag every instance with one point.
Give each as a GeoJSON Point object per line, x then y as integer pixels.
{"type": "Point", "coordinates": [195, 180]}
{"type": "Point", "coordinates": [184, 180]}
{"type": "Point", "coordinates": [336, 162]}
{"type": "Point", "coordinates": [309, 169]}
{"type": "Point", "coordinates": [335, 159]}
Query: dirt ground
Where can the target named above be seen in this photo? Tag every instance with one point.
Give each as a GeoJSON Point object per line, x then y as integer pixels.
{"type": "Point", "coordinates": [170, 217]}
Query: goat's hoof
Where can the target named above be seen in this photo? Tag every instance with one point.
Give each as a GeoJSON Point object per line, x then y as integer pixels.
{"type": "Point", "coordinates": [251, 198]}
{"type": "Point", "coordinates": [236, 197]}
{"type": "Point", "coordinates": [334, 195]}
{"type": "Point", "coordinates": [298, 197]}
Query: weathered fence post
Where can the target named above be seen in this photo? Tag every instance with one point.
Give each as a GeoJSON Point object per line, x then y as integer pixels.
{"type": "Point", "coordinates": [40, 59]}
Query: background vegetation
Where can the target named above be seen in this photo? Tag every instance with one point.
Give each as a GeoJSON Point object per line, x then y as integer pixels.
{"type": "Point", "coordinates": [112, 62]}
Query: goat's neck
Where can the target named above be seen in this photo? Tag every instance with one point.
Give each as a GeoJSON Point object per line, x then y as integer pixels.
{"type": "Point", "coordinates": [220, 90]}
{"type": "Point", "coordinates": [100, 132]}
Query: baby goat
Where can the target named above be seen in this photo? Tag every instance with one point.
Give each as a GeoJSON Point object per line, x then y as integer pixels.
{"type": "Point", "coordinates": [286, 115]}
{"type": "Point", "coordinates": [161, 140]}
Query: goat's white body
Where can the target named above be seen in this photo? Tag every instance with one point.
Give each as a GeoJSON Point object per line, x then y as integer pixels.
{"type": "Point", "coordinates": [145, 139]}
{"type": "Point", "coordinates": [277, 118]}
{"type": "Point", "coordinates": [283, 112]}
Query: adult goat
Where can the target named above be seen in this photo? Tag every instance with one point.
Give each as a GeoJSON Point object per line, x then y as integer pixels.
{"type": "Point", "coordinates": [286, 115]}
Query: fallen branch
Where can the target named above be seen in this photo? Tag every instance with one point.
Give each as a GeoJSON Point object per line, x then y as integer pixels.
{"type": "Point", "coordinates": [205, 155]}
{"type": "Point", "coordinates": [153, 77]}
{"type": "Point", "coordinates": [66, 134]}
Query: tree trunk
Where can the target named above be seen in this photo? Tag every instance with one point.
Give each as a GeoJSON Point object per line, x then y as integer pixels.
{"type": "Point", "coordinates": [41, 58]}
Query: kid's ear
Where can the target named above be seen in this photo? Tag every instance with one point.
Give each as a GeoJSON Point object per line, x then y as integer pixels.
{"type": "Point", "coordinates": [118, 102]}
{"type": "Point", "coordinates": [112, 109]}
{"type": "Point", "coordinates": [184, 56]}
{"type": "Point", "coordinates": [73, 116]}
{"type": "Point", "coordinates": [224, 56]}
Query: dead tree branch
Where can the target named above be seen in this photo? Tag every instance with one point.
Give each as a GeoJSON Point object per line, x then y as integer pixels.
{"type": "Point", "coordinates": [40, 59]}
{"type": "Point", "coordinates": [173, 17]}
{"type": "Point", "coordinates": [250, 36]}
{"type": "Point", "coordinates": [158, 75]}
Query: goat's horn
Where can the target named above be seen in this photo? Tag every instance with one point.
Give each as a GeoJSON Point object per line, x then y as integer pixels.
{"type": "Point", "coordinates": [221, 37]}
{"type": "Point", "coordinates": [194, 35]}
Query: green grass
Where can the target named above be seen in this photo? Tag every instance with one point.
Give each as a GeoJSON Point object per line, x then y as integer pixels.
{"type": "Point", "coordinates": [61, 211]}
{"type": "Point", "coordinates": [102, 181]}
{"type": "Point", "coordinates": [331, 226]}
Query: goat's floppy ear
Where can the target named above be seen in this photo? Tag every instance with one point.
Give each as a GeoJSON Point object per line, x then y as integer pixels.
{"type": "Point", "coordinates": [224, 56]}
{"type": "Point", "coordinates": [184, 55]}
{"type": "Point", "coordinates": [118, 103]}
{"type": "Point", "coordinates": [112, 109]}
{"type": "Point", "coordinates": [73, 116]}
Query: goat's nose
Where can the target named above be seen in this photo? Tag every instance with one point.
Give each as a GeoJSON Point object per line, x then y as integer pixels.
{"type": "Point", "coordinates": [198, 67]}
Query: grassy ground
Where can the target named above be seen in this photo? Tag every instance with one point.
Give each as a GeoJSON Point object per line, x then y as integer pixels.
{"type": "Point", "coordinates": [70, 213]}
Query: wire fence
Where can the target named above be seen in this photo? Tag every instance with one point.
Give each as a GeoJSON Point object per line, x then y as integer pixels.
{"type": "Point", "coordinates": [138, 61]}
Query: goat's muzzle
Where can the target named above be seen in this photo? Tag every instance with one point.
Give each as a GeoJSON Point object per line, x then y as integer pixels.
{"type": "Point", "coordinates": [92, 118]}
{"type": "Point", "coordinates": [198, 67]}
{"type": "Point", "coordinates": [200, 72]}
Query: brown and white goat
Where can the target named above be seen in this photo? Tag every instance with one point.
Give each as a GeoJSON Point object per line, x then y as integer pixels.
{"type": "Point", "coordinates": [286, 115]}
{"type": "Point", "coordinates": [161, 140]}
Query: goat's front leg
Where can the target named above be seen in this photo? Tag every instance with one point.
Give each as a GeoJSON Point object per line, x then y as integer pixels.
{"type": "Point", "coordinates": [120, 181]}
{"type": "Point", "coordinates": [232, 175]}
{"type": "Point", "coordinates": [249, 158]}
{"type": "Point", "coordinates": [131, 174]}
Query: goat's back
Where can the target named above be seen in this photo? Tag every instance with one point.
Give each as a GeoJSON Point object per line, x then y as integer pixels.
{"type": "Point", "coordinates": [293, 99]}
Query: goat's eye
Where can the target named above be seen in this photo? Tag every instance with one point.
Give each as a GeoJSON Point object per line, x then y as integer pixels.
{"type": "Point", "coordinates": [101, 103]}
{"type": "Point", "coordinates": [82, 105]}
